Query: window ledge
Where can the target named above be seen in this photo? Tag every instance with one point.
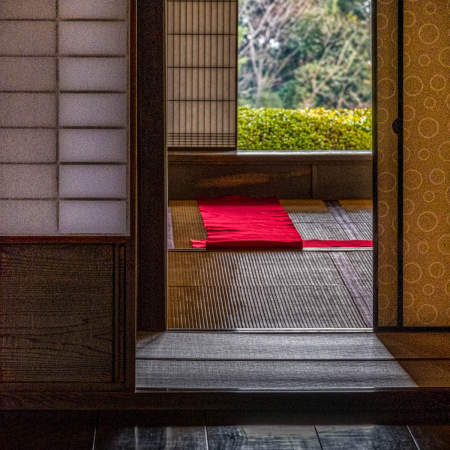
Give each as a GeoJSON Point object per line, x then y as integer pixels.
{"type": "Point", "coordinates": [270, 157]}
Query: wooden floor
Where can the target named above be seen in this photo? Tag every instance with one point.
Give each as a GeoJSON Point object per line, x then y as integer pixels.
{"type": "Point", "coordinates": [291, 361]}
{"type": "Point", "coordinates": [98, 431]}
{"type": "Point", "coordinates": [279, 289]}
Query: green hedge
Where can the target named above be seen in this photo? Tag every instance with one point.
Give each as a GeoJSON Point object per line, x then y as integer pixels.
{"type": "Point", "coordinates": [308, 129]}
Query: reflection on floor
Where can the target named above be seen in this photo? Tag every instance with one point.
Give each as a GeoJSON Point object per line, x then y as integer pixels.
{"type": "Point", "coordinates": [275, 289]}
{"type": "Point", "coordinates": [100, 431]}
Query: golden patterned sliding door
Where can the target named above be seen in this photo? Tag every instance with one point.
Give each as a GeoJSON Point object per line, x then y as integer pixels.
{"type": "Point", "coordinates": [426, 256]}
{"type": "Point", "coordinates": [386, 113]}
{"type": "Point", "coordinates": [413, 290]}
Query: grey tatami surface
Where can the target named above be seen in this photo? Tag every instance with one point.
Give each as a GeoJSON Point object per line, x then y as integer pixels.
{"type": "Point", "coordinates": [261, 346]}
{"type": "Point", "coordinates": [291, 360]}
{"type": "Point", "coordinates": [268, 375]}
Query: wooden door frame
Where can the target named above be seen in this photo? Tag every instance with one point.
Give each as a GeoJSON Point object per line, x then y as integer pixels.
{"type": "Point", "coordinates": [152, 170]}
{"type": "Point", "coordinates": [152, 166]}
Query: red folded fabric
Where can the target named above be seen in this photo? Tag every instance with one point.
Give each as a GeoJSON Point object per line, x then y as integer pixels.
{"type": "Point", "coordinates": [244, 222]}
{"type": "Point", "coordinates": [323, 243]}
{"type": "Point", "coordinates": [238, 221]}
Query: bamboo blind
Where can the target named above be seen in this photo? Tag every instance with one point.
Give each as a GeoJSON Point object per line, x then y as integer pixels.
{"type": "Point", "coordinates": [201, 73]}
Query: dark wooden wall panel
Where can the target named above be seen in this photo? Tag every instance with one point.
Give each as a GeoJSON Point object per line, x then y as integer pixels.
{"type": "Point", "coordinates": [58, 308]}
{"type": "Point", "coordinates": [322, 175]}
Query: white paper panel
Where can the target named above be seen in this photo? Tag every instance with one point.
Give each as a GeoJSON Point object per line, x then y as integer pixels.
{"type": "Point", "coordinates": [93, 38]}
{"type": "Point", "coordinates": [49, 133]}
{"type": "Point", "coordinates": [95, 110]}
{"type": "Point", "coordinates": [93, 217]}
{"type": "Point", "coordinates": [27, 217]}
{"type": "Point", "coordinates": [28, 110]}
{"type": "Point", "coordinates": [97, 74]}
{"type": "Point", "coordinates": [27, 9]}
{"type": "Point", "coordinates": [93, 9]}
{"type": "Point", "coordinates": [93, 145]}
{"type": "Point", "coordinates": [27, 38]}
{"type": "Point", "coordinates": [27, 181]}
{"type": "Point", "coordinates": [27, 145]}
{"type": "Point", "coordinates": [27, 74]}
{"type": "Point", "coordinates": [96, 181]}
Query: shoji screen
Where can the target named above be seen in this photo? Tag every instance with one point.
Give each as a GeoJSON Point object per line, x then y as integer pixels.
{"type": "Point", "coordinates": [201, 73]}
{"type": "Point", "coordinates": [63, 117]}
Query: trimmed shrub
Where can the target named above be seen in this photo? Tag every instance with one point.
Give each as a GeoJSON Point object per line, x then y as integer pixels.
{"type": "Point", "coordinates": [306, 129]}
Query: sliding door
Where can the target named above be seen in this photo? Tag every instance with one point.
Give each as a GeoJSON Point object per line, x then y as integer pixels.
{"type": "Point", "coordinates": [66, 190]}
{"type": "Point", "coordinates": [413, 69]}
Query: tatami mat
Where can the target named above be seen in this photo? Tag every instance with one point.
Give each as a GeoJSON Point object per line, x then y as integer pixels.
{"type": "Point", "coordinates": [187, 223]}
{"type": "Point", "coordinates": [258, 289]}
{"type": "Point", "coordinates": [252, 268]}
{"type": "Point", "coordinates": [312, 218]}
{"type": "Point", "coordinates": [238, 289]}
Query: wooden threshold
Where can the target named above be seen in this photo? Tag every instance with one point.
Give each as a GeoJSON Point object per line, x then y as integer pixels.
{"type": "Point", "coordinates": [407, 406]}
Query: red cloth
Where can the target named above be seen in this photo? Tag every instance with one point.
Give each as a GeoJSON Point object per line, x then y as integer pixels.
{"type": "Point", "coordinates": [244, 222]}
{"type": "Point", "coordinates": [320, 243]}
{"type": "Point", "coordinates": [237, 221]}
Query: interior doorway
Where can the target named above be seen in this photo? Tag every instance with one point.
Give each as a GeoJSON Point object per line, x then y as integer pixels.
{"type": "Point", "coordinates": [326, 194]}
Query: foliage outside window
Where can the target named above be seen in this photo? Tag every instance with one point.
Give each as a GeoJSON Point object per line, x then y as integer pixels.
{"type": "Point", "coordinates": [302, 55]}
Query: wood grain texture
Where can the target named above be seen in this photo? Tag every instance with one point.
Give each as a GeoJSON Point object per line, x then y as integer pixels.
{"type": "Point", "coordinates": [204, 180]}
{"type": "Point", "coordinates": [429, 373]}
{"type": "Point", "coordinates": [417, 345]}
{"type": "Point", "coordinates": [151, 166]}
{"type": "Point", "coordinates": [286, 174]}
{"type": "Point", "coordinates": [168, 431]}
{"type": "Point", "coordinates": [356, 405]}
{"type": "Point", "coordinates": [262, 437]}
{"type": "Point", "coordinates": [348, 437]}
{"type": "Point", "coordinates": [431, 437]}
{"type": "Point", "coordinates": [47, 430]}
{"type": "Point", "coordinates": [57, 313]}
{"type": "Point", "coordinates": [139, 437]}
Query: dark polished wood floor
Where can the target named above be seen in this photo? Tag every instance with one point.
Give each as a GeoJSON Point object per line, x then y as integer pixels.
{"type": "Point", "coordinates": [79, 431]}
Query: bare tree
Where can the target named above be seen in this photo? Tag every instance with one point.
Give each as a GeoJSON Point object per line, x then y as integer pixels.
{"type": "Point", "coordinates": [309, 51]}
{"type": "Point", "coordinates": [268, 25]}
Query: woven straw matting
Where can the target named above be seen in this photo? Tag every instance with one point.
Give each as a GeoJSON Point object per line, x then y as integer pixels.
{"type": "Point", "coordinates": [272, 288]}
{"type": "Point", "coordinates": [311, 218]}
{"type": "Point", "coordinates": [258, 289]}
{"type": "Point", "coordinates": [187, 223]}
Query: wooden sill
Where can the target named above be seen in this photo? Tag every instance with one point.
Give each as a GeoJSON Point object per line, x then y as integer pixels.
{"type": "Point", "coordinates": [321, 174]}
{"type": "Point", "coordinates": [270, 157]}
